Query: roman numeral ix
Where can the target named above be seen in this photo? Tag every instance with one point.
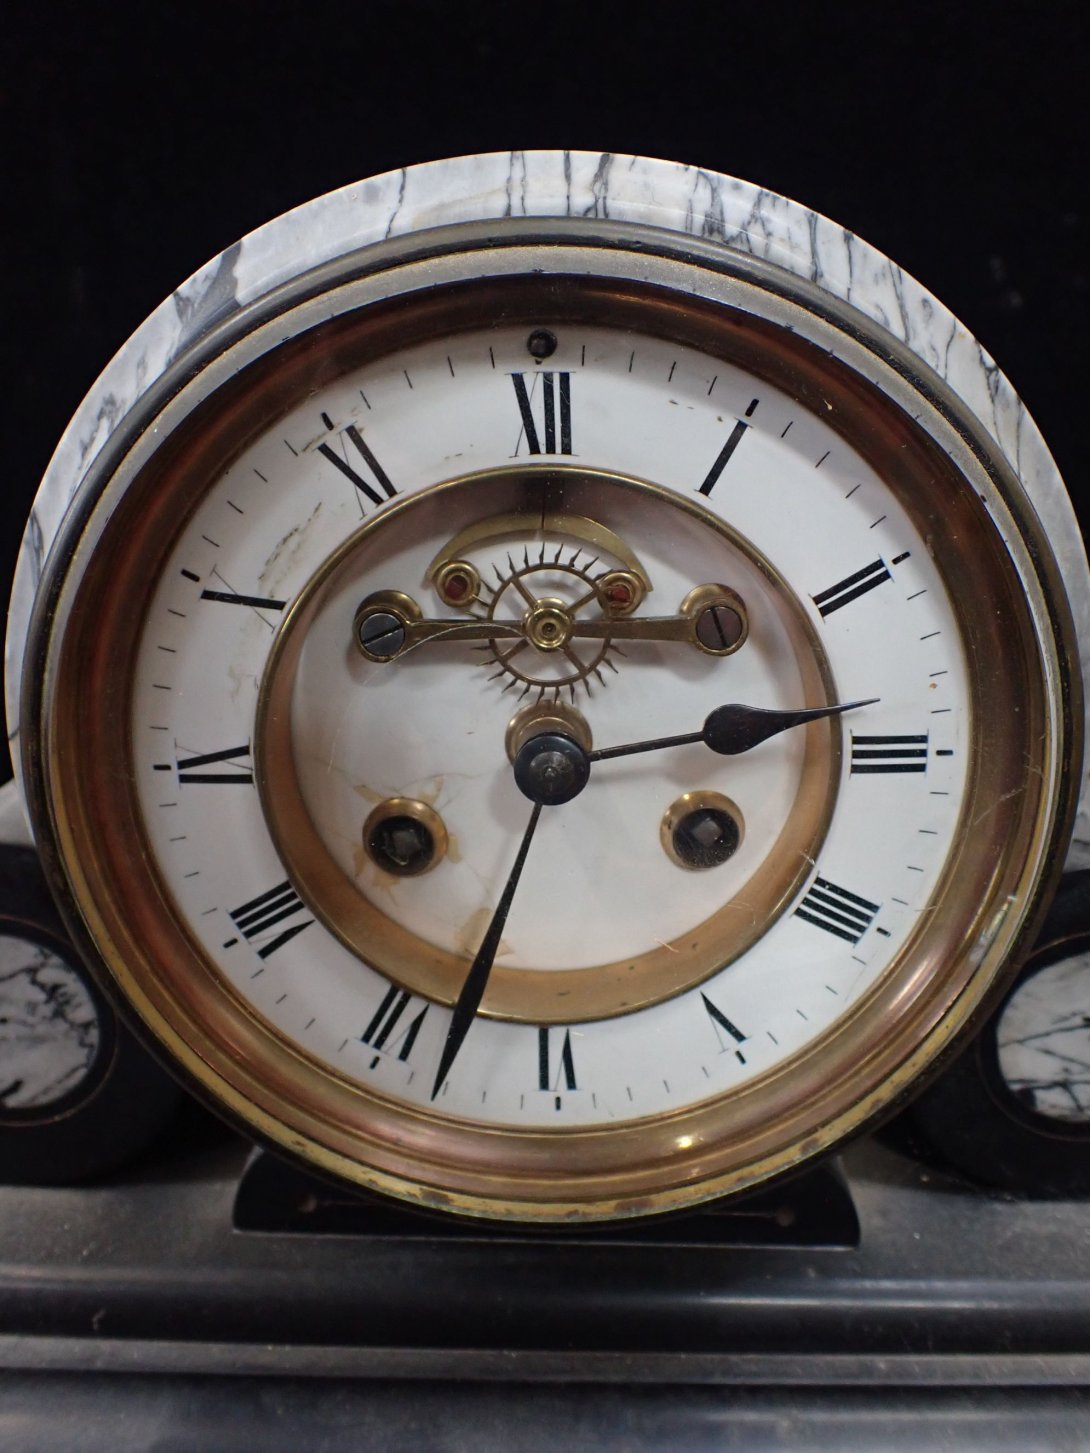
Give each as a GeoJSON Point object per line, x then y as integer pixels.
{"type": "Point", "coordinates": [555, 395]}
{"type": "Point", "coordinates": [190, 769]}
{"type": "Point", "coordinates": [888, 754]}
{"type": "Point", "coordinates": [722, 459]}
{"type": "Point", "coordinates": [837, 911]}
{"type": "Point", "coordinates": [264, 912]}
{"type": "Point", "coordinates": [231, 597]}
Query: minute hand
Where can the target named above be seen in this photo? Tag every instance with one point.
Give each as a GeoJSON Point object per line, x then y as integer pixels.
{"type": "Point", "coordinates": [732, 729]}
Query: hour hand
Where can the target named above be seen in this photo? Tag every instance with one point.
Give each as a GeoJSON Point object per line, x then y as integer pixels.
{"type": "Point", "coordinates": [734, 728]}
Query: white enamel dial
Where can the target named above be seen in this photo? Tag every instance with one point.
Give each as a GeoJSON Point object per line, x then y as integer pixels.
{"type": "Point", "coordinates": [430, 725]}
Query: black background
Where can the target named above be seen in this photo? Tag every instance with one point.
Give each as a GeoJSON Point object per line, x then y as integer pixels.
{"type": "Point", "coordinates": [143, 140]}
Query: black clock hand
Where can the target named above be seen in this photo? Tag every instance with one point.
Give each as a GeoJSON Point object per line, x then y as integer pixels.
{"type": "Point", "coordinates": [734, 728]}
{"type": "Point", "coordinates": [465, 1010]}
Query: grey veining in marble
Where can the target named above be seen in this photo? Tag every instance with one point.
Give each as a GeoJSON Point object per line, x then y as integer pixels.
{"type": "Point", "coordinates": [683, 199]}
{"type": "Point", "coordinates": [1043, 1040]}
{"type": "Point", "coordinates": [49, 1029]}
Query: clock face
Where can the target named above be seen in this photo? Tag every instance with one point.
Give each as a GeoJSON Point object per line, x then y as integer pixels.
{"type": "Point", "coordinates": [627, 981]}
{"type": "Point", "coordinates": [540, 705]}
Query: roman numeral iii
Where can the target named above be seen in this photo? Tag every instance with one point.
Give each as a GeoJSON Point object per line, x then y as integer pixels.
{"type": "Point", "coordinates": [551, 392]}
{"type": "Point", "coordinates": [888, 754]}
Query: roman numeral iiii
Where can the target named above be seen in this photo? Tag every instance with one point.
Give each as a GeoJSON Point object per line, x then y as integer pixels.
{"type": "Point", "coordinates": [837, 911]}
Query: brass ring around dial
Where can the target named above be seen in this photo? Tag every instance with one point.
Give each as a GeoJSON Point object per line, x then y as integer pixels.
{"type": "Point", "coordinates": [531, 994]}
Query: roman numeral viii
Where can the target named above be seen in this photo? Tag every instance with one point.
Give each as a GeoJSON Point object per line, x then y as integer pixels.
{"type": "Point", "coordinates": [837, 911]}
{"type": "Point", "coordinates": [555, 396]}
{"type": "Point", "coordinates": [888, 754]}
{"type": "Point", "coordinates": [192, 769]}
{"type": "Point", "coordinates": [382, 1033]}
{"type": "Point", "coordinates": [256, 918]}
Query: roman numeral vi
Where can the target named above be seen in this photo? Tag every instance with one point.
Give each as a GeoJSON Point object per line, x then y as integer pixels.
{"type": "Point", "coordinates": [565, 1068]}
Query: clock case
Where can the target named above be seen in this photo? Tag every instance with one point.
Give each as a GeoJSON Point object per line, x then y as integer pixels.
{"type": "Point", "coordinates": [957, 1307]}
{"type": "Point", "coordinates": [643, 191]}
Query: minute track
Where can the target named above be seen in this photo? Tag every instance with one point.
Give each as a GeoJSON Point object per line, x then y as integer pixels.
{"type": "Point", "coordinates": [636, 633]}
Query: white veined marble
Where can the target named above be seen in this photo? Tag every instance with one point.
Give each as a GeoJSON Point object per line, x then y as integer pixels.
{"type": "Point", "coordinates": [682, 199]}
{"type": "Point", "coordinates": [49, 1028]}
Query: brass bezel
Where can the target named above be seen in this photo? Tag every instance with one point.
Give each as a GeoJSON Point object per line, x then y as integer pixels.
{"type": "Point", "coordinates": [527, 995]}
{"type": "Point", "coordinates": [1019, 806]}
